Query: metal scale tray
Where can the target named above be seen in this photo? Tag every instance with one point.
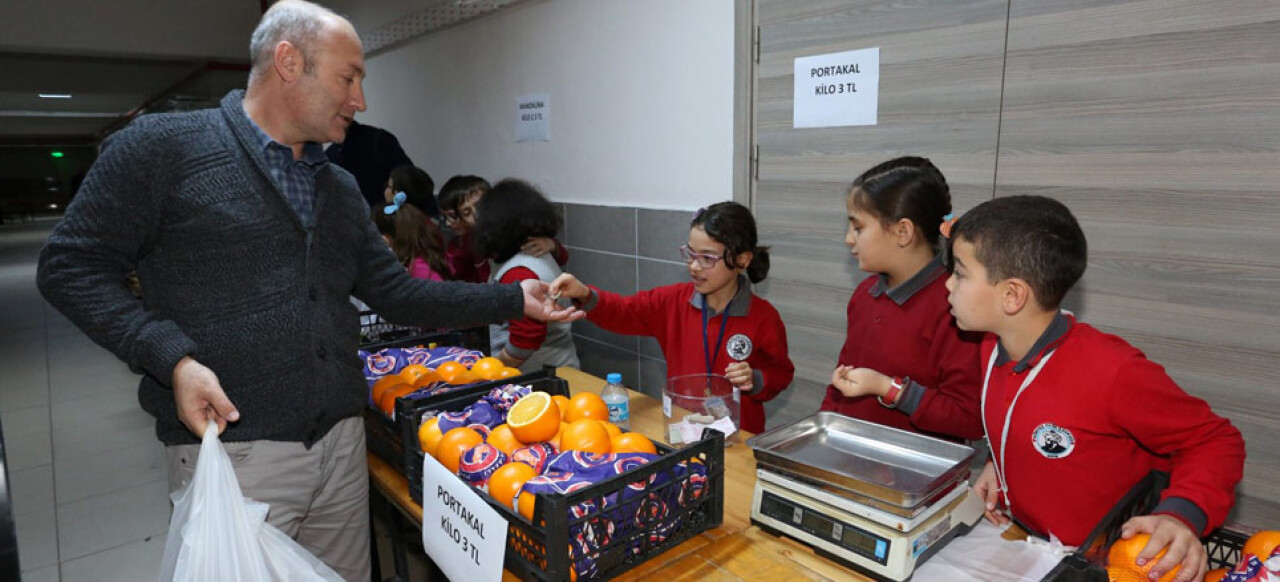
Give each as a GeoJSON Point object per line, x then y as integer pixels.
{"type": "Point", "coordinates": [893, 470]}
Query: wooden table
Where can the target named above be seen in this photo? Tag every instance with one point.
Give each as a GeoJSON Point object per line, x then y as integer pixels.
{"type": "Point", "coordinates": [734, 551]}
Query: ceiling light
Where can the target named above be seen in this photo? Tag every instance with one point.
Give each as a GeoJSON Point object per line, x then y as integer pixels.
{"type": "Point", "coordinates": [54, 95]}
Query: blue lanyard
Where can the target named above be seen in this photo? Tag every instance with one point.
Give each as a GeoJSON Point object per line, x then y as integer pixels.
{"type": "Point", "coordinates": [710, 354]}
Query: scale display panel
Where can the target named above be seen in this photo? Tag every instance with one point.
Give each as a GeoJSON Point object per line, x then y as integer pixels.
{"type": "Point", "coordinates": [848, 536]}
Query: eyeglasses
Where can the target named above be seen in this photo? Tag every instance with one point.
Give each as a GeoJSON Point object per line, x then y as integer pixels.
{"type": "Point", "coordinates": [706, 261]}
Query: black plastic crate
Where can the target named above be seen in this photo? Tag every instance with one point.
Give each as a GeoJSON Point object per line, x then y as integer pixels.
{"type": "Point", "coordinates": [383, 436]}
{"type": "Point", "coordinates": [527, 554]}
{"type": "Point", "coordinates": [1089, 562]}
{"type": "Point", "coordinates": [410, 412]}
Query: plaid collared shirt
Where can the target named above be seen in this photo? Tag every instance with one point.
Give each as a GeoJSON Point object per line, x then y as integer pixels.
{"type": "Point", "coordinates": [296, 178]}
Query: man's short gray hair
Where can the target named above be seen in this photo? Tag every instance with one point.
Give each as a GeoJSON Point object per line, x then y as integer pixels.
{"type": "Point", "coordinates": [295, 21]}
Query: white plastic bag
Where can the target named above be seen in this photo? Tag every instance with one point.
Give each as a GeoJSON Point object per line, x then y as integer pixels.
{"type": "Point", "coordinates": [218, 534]}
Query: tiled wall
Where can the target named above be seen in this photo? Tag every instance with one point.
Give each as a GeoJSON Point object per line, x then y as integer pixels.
{"type": "Point", "coordinates": [626, 250]}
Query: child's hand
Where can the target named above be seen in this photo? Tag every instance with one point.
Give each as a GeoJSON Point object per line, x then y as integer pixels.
{"type": "Point", "coordinates": [987, 487]}
{"type": "Point", "coordinates": [852, 381]}
{"type": "Point", "coordinates": [569, 287]}
{"type": "Point", "coordinates": [538, 246]}
{"type": "Point", "coordinates": [1184, 546]}
{"type": "Point", "coordinates": [739, 374]}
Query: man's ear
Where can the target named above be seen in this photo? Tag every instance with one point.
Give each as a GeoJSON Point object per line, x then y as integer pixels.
{"type": "Point", "coordinates": [1015, 295]}
{"type": "Point", "coordinates": [288, 61]}
{"type": "Point", "coordinates": [904, 231]}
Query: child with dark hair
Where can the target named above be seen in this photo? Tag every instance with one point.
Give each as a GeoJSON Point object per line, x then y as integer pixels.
{"type": "Point", "coordinates": [750, 347]}
{"type": "Point", "coordinates": [904, 363]}
{"type": "Point", "coordinates": [417, 186]}
{"type": "Point", "coordinates": [508, 216]}
{"type": "Point", "coordinates": [414, 239]}
{"type": "Point", "coordinates": [1075, 417]}
{"type": "Point", "coordinates": [458, 200]}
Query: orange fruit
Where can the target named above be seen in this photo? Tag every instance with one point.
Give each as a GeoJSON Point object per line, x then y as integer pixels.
{"type": "Point", "coordinates": [487, 368]}
{"type": "Point", "coordinates": [464, 377]}
{"type": "Point", "coordinates": [586, 405]}
{"type": "Point", "coordinates": [525, 503]}
{"type": "Point", "coordinates": [534, 418]}
{"type": "Point", "coordinates": [507, 373]}
{"type": "Point", "coordinates": [381, 384]}
{"type": "Point", "coordinates": [1216, 575]}
{"type": "Point", "coordinates": [555, 440]}
{"type": "Point", "coordinates": [388, 401]}
{"type": "Point", "coordinates": [412, 372]}
{"type": "Point", "coordinates": [430, 377]}
{"type": "Point", "coordinates": [429, 435]}
{"type": "Point", "coordinates": [633, 442]}
{"type": "Point", "coordinates": [448, 370]}
{"type": "Point", "coordinates": [453, 444]}
{"type": "Point", "coordinates": [586, 435]}
{"type": "Point", "coordinates": [612, 428]}
{"type": "Point", "coordinates": [507, 481]}
{"type": "Point", "coordinates": [1262, 544]}
{"type": "Point", "coordinates": [502, 439]}
{"type": "Point", "coordinates": [563, 402]}
{"type": "Point", "coordinates": [1122, 561]}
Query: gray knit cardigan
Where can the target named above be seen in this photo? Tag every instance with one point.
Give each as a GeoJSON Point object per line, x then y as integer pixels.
{"type": "Point", "coordinates": [232, 277]}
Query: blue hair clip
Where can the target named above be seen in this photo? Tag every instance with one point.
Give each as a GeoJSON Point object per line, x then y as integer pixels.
{"type": "Point", "coordinates": [947, 222]}
{"type": "Point", "coordinates": [396, 203]}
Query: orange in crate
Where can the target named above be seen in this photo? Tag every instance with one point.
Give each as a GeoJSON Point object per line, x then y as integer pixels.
{"type": "Point", "coordinates": [534, 418]}
{"type": "Point", "coordinates": [563, 402]}
{"type": "Point", "coordinates": [487, 368]}
{"type": "Point", "coordinates": [1216, 575]}
{"type": "Point", "coordinates": [586, 435]}
{"type": "Point", "coordinates": [1122, 561]}
{"type": "Point", "coordinates": [453, 444]}
{"type": "Point", "coordinates": [431, 377]}
{"type": "Point", "coordinates": [502, 439]}
{"type": "Point", "coordinates": [631, 442]}
{"type": "Point", "coordinates": [448, 370]}
{"type": "Point", "coordinates": [464, 377]}
{"type": "Point", "coordinates": [388, 401]}
{"type": "Point", "coordinates": [1261, 544]}
{"type": "Point", "coordinates": [612, 428]}
{"type": "Point", "coordinates": [507, 373]}
{"type": "Point", "coordinates": [429, 436]}
{"type": "Point", "coordinates": [507, 481]}
{"type": "Point", "coordinates": [586, 405]}
{"type": "Point", "coordinates": [381, 385]}
{"type": "Point", "coordinates": [412, 372]}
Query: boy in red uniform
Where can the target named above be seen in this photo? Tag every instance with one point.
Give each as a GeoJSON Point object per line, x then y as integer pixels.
{"type": "Point", "coordinates": [1076, 417]}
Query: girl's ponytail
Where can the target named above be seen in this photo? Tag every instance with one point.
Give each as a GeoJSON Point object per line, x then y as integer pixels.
{"type": "Point", "coordinates": [733, 226]}
{"type": "Point", "coordinates": [759, 267]}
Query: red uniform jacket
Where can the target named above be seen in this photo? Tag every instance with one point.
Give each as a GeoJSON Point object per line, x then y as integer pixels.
{"type": "Point", "coordinates": [1096, 418]}
{"type": "Point", "coordinates": [917, 339]}
{"type": "Point", "coordinates": [667, 314]}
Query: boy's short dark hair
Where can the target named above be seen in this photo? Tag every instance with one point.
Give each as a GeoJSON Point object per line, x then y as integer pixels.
{"type": "Point", "coordinates": [1032, 238]}
{"type": "Point", "coordinates": [511, 213]}
{"type": "Point", "coordinates": [455, 191]}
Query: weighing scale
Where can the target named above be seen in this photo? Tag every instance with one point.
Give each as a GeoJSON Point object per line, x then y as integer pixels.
{"type": "Point", "coordinates": [874, 498]}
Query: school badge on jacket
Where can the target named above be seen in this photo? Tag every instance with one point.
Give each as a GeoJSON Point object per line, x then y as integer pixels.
{"type": "Point", "coordinates": [739, 347]}
{"type": "Point", "coordinates": [1053, 441]}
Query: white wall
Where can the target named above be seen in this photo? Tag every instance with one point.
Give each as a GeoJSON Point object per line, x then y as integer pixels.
{"type": "Point", "coordinates": [641, 99]}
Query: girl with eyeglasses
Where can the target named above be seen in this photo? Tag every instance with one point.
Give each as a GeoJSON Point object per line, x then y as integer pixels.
{"type": "Point", "coordinates": [712, 324]}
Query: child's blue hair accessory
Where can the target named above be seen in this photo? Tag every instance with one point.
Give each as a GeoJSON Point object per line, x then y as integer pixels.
{"type": "Point", "coordinates": [396, 203]}
{"type": "Point", "coordinates": [947, 222]}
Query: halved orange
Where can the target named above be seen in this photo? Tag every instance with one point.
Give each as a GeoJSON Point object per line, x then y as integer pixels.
{"type": "Point", "coordinates": [534, 418]}
{"type": "Point", "coordinates": [586, 435]}
{"type": "Point", "coordinates": [429, 435]}
{"type": "Point", "coordinates": [633, 442]}
{"type": "Point", "coordinates": [586, 405]}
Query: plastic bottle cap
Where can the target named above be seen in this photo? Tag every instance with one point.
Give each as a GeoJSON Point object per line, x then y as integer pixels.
{"type": "Point", "coordinates": [613, 378]}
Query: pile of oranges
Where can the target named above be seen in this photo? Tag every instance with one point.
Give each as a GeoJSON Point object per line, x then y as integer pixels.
{"type": "Point", "coordinates": [1122, 563]}
{"type": "Point", "coordinates": [566, 424]}
{"type": "Point", "coordinates": [414, 377]}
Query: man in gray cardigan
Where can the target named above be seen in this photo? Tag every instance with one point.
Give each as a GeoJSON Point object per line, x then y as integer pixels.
{"type": "Point", "coordinates": [248, 243]}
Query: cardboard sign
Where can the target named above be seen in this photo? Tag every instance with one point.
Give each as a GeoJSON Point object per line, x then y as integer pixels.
{"type": "Point", "coordinates": [461, 533]}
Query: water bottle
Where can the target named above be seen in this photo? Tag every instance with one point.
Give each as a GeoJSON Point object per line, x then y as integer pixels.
{"type": "Point", "coordinates": [616, 398]}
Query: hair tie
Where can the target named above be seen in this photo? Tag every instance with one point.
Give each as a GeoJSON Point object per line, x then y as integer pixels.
{"type": "Point", "coordinates": [396, 202]}
{"type": "Point", "coordinates": [947, 222]}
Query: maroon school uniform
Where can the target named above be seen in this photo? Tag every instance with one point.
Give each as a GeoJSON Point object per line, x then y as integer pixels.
{"type": "Point", "coordinates": [673, 315]}
{"type": "Point", "coordinates": [908, 331]}
{"type": "Point", "coordinates": [1095, 417]}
